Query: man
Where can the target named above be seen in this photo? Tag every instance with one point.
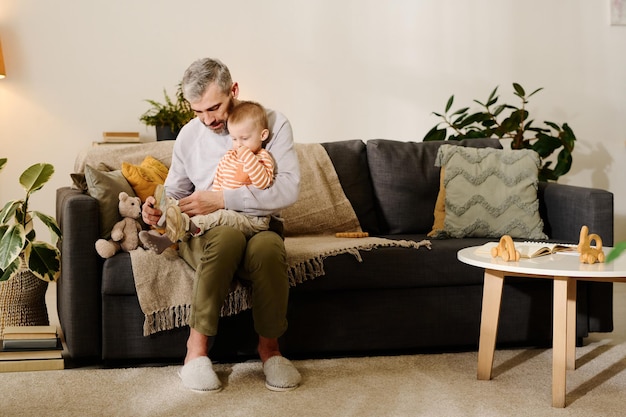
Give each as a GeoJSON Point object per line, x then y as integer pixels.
{"type": "Point", "coordinates": [223, 252]}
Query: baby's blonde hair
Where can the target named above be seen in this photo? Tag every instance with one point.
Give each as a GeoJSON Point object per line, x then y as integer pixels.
{"type": "Point", "coordinates": [247, 110]}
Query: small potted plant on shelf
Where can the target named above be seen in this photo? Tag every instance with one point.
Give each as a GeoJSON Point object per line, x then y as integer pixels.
{"type": "Point", "coordinates": [169, 117]}
{"type": "Point", "coordinates": [492, 121]}
{"type": "Point", "coordinates": [26, 264]}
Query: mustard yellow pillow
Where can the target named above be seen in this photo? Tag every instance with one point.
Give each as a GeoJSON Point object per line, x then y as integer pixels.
{"type": "Point", "coordinates": [145, 177]}
{"type": "Point", "coordinates": [440, 207]}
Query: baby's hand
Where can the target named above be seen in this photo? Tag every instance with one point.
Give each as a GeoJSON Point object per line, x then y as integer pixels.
{"type": "Point", "coordinates": [241, 151]}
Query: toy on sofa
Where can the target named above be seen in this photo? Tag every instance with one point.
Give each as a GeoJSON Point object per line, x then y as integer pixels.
{"type": "Point", "coordinates": [589, 255]}
{"type": "Point", "coordinates": [125, 233]}
{"type": "Point", "coordinates": [505, 249]}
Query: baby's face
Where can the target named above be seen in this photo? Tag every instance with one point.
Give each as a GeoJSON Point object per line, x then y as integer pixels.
{"type": "Point", "coordinates": [246, 133]}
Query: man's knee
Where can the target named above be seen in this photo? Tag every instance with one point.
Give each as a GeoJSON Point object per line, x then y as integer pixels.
{"type": "Point", "coordinates": [265, 248]}
{"type": "Point", "coordinates": [226, 238]}
{"type": "Point", "coordinates": [218, 243]}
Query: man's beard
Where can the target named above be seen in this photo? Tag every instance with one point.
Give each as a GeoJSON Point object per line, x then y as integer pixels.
{"type": "Point", "coordinates": [218, 131]}
{"type": "Point", "coordinates": [222, 123]}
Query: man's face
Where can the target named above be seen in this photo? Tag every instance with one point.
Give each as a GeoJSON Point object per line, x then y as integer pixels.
{"type": "Point", "coordinates": [214, 107]}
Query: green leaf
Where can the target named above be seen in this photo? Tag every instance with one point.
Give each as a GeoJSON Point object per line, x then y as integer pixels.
{"type": "Point", "coordinates": [491, 98]}
{"type": "Point", "coordinates": [545, 145]}
{"type": "Point", "coordinates": [44, 260]}
{"type": "Point", "coordinates": [553, 126]}
{"type": "Point", "coordinates": [8, 273]}
{"type": "Point", "coordinates": [536, 91]}
{"type": "Point", "coordinates": [475, 134]}
{"type": "Point", "coordinates": [498, 110]}
{"type": "Point", "coordinates": [457, 122]}
{"type": "Point", "coordinates": [510, 124]}
{"type": "Point", "coordinates": [459, 111]}
{"type": "Point", "coordinates": [563, 163]}
{"type": "Point", "coordinates": [11, 244]}
{"type": "Point", "coordinates": [567, 137]}
{"type": "Point", "coordinates": [49, 221]}
{"type": "Point", "coordinates": [36, 176]}
{"type": "Point", "coordinates": [449, 104]}
{"type": "Point", "coordinates": [615, 253]}
{"type": "Point", "coordinates": [9, 210]}
{"type": "Point", "coordinates": [3, 162]}
{"type": "Point", "coordinates": [435, 134]}
{"type": "Point", "coordinates": [519, 90]}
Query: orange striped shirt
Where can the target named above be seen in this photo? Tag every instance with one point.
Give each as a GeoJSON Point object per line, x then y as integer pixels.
{"type": "Point", "coordinates": [248, 168]}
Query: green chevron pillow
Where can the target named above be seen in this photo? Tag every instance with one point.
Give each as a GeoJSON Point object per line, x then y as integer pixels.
{"type": "Point", "coordinates": [490, 192]}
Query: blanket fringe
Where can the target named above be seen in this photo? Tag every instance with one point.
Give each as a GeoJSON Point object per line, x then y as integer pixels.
{"type": "Point", "coordinates": [170, 318]}
{"type": "Point", "coordinates": [314, 267]}
{"type": "Point", "coordinates": [238, 300]}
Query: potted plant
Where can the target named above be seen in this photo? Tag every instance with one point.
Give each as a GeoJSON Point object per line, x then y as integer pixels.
{"type": "Point", "coordinates": [492, 121]}
{"type": "Point", "coordinates": [26, 264]}
{"type": "Point", "coordinates": [169, 117]}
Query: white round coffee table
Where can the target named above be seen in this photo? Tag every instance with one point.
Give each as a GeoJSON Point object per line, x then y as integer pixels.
{"type": "Point", "coordinates": [564, 269]}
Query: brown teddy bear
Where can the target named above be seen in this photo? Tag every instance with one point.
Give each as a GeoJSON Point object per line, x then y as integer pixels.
{"type": "Point", "coordinates": [125, 233]}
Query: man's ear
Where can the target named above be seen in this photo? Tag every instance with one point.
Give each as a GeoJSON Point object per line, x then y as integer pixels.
{"type": "Point", "coordinates": [234, 90]}
{"type": "Point", "coordinates": [265, 134]}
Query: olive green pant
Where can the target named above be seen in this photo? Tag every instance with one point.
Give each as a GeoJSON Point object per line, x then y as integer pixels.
{"type": "Point", "coordinates": [223, 252]}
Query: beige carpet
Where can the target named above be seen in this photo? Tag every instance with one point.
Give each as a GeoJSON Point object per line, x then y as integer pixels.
{"type": "Point", "coordinates": [416, 385]}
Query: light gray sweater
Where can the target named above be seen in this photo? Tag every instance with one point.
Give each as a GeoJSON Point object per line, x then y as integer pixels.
{"type": "Point", "coordinates": [197, 151]}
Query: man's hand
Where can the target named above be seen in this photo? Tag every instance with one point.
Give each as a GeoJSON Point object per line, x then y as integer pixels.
{"type": "Point", "coordinates": [202, 202]}
{"type": "Point", "coordinates": [149, 214]}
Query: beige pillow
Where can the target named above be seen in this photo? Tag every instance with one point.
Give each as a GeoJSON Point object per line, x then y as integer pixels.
{"type": "Point", "coordinates": [106, 187]}
{"type": "Point", "coordinates": [490, 192]}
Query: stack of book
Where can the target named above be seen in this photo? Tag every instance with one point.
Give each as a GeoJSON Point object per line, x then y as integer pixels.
{"type": "Point", "coordinates": [120, 137]}
{"type": "Point", "coordinates": [30, 348]}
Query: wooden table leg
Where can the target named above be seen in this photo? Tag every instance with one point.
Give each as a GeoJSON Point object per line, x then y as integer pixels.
{"type": "Point", "coordinates": [559, 340]}
{"type": "Point", "coordinates": [571, 324]}
{"type": "Point", "coordinates": [492, 298]}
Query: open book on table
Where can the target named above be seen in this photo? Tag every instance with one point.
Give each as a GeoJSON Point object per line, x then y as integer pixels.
{"type": "Point", "coordinates": [531, 250]}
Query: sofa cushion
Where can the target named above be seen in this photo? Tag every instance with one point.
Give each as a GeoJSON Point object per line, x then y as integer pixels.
{"type": "Point", "coordinates": [106, 187]}
{"type": "Point", "coordinates": [350, 160]}
{"type": "Point", "coordinates": [490, 192]}
{"type": "Point", "coordinates": [406, 181]}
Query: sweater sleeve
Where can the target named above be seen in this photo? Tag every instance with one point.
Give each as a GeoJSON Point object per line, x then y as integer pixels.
{"type": "Point", "coordinates": [259, 167]}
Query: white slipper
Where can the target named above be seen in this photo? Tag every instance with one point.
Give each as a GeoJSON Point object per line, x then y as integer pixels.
{"type": "Point", "coordinates": [198, 375]}
{"type": "Point", "coordinates": [280, 374]}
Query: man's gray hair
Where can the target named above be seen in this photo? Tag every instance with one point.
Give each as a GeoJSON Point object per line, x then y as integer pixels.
{"type": "Point", "coordinates": [201, 74]}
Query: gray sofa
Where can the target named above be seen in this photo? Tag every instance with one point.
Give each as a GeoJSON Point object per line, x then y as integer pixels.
{"type": "Point", "coordinates": [396, 300]}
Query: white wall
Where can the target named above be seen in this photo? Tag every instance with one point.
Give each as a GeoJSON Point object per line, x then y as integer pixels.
{"type": "Point", "coordinates": [338, 69]}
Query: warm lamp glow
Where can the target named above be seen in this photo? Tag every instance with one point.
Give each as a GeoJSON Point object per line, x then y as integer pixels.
{"type": "Point", "coordinates": [3, 73]}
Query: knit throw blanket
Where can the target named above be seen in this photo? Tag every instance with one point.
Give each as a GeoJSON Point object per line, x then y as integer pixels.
{"type": "Point", "coordinates": [164, 282]}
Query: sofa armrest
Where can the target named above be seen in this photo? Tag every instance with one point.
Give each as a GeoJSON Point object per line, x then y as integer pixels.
{"type": "Point", "coordinates": [566, 208]}
{"type": "Point", "coordinates": [78, 288]}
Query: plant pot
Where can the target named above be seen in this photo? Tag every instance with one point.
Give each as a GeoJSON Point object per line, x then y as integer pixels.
{"type": "Point", "coordinates": [23, 301]}
{"type": "Point", "coordinates": [166, 133]}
